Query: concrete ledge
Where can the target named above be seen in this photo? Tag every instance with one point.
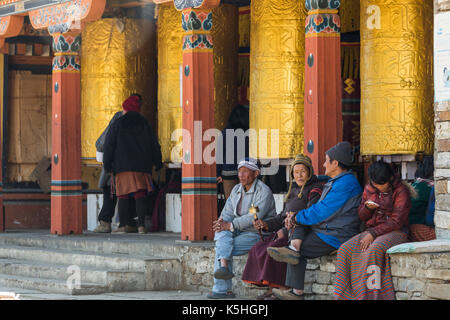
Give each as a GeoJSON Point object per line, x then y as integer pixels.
{"type": "Point", "coordinates": [421, 247]}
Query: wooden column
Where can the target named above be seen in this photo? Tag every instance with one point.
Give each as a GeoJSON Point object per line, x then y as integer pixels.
{"type": "Point", "coordinates": [323, 105]}
{"type": "Point", "coordinates": [199, 194]}
{"type": "Point", "coordinates": [10, 27]}
{"type": "Point", "coordinates": [66, 198]}
{"type": "Point", "coordinates": [65, 22]}
{"type": "Point", "coordinates": [2, 97]}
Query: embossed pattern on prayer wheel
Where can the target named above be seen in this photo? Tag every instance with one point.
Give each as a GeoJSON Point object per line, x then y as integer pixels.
{"type": "Point", "coordinates": [170, 58]}
{"type": "Point", "coordinates": [277, 62]}
{"type": "Point", "coordinates": [396, 77]}
{"type": "Point", "coordinates": [118, 58]}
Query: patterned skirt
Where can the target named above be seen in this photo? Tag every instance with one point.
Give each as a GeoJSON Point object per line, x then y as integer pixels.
{"type": "Point", "coordinates": [366, 275]}
{"type": "Point", "coordinates": [421, 232]}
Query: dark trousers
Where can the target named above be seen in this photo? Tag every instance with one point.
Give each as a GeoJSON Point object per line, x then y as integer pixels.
{"type": "Point", "coordinates": [126, 216]}
{"type": "Point", "coordinates": [109, 205]}
{"type": "Point", "coordinates": [312, 247]}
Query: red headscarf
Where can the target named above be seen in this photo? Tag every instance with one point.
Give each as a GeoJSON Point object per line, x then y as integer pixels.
{"type": "Point", "coordinates": [131, 104]}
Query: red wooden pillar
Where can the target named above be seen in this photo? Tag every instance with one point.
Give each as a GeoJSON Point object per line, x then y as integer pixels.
{"type": "Point", "coordinates": [10, 27]}
{"type": "Point", "coordinates": [66, 197]}
{"type": "Point", "coordinates": [199, 195]}
{"type": "Point", "coordinates": [64, 22]}
{"type": "Point", "coordinates": [323, 96]}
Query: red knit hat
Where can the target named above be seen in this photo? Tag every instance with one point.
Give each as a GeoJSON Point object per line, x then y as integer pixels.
{"type": "Point", "coordinates": [132, 104]}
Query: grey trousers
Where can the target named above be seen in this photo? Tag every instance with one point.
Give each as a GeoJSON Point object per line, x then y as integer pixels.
{"type": "Point", "coordinates": [312, 247]}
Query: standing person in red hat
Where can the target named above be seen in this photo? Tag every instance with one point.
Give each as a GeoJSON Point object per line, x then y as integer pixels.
{"type": "Point", "coordinates": [131, 150]}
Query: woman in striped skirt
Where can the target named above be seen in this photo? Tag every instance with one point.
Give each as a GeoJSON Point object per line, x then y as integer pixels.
{"type": "Point", "coordinates": [363, 269]}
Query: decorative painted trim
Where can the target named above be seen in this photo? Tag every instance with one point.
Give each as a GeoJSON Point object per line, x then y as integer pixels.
{"type": "Point", "coordinates": [322, 4]}
{"type": "Point", "coordinates": [10, 26]}
{"type": "Point", "coordinates": [62, 17]}
{"type": "Point", "coordinates": [198, 42]}
{"type": "Point", "coordinates": [322, 35]}
{"type": "Point", "coordinates": [185, 4]}
{"type": "Point", "coordinates": [199, 180]}
{"type": "Point", "coordinates": [197, 25]}
{"type": "Point", "coordinates": [323, 11]}
{"type": "Point", "coordinates": [199, 191]}
{"type": "Point", "coordinates": [323, 23]}
{"type": "Point", "coordinates": [66, 43]}
{"type": "Point", "coordinates": [68, 193]}
{"type": "Point", "coordinates": [15, 7]}
{"type": "Point", "coordinates": [66, 183]}
{"type": "Point", "coordinates": [196, 20]}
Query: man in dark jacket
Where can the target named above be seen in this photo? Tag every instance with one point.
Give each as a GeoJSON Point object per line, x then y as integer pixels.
{"type": "Point", "coordinates": [131, 150]}
{"type": "Point", "coordinates": [324, 226]}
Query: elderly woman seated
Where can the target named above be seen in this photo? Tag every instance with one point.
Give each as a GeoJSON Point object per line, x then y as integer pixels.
{"type": "Point", "coordinates": [261, 269]}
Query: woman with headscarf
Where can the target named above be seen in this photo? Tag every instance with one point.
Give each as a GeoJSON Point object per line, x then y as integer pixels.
{"type": "Point", "coordinates": [131, 150]}
{"type": "Point", "coordinates": [304, 190]}
{"type": "Point", "coordinates": [362, 267]}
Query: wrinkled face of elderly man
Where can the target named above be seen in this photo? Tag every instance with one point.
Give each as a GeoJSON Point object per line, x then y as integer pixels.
{"type": "Point", "coordinates": [247, 176]}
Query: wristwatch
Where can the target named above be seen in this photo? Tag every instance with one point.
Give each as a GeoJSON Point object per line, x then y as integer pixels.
{"type": "Point", "coordinates": [231, 227]}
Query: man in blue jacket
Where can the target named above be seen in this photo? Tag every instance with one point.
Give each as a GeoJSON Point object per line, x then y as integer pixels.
{"type": "Point", "coordinates": [324, 226]}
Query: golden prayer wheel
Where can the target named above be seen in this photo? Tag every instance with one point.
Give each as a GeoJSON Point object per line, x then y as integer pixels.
{"type": "Point", "coordinates": [118, 58]}
{"type": "Point", "coordinates": [170, 59]}
{"type": "Point", "coordinates": [277, 62]}
{"type": "Point", "coordinates": [396, 77]}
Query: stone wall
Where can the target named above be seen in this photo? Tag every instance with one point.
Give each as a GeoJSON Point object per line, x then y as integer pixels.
{"type": "Point", "coordinates": [442, 154]}
{"type": "Point", "coordinates": [198, 270]}
{"type": "Point", "coordinates": [421, 270]}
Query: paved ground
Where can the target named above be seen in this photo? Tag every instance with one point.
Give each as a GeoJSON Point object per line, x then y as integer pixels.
{"type": "Point", "coordinates": [27, 294]}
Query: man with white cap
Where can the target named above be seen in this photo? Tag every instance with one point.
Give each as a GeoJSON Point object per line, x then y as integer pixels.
{"type": "Point", "coordinates": [235, 234]}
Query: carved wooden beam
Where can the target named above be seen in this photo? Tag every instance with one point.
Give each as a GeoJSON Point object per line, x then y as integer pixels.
{"type": "Point", "coordinates": [67, 16]}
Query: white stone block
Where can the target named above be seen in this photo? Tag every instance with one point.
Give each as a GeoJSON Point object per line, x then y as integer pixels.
{"type": "Point", "coordinates": [438, 290]}
{"type": "Point", "coordinates": [173, 212]}
{"type": "Point", "coordinates": [442, 219]}
{"type": "Point", "coordinates": [402, 296]}
{"type": "Point", "coordinates": [434, 274]}
{"type": "Point", "coordinates": [442, 160]}
{"type": "Point", "coordinates": [441, 174]}
{"type": "Point", "coordinates": [443, 130]}
{"type": "Point", "coordinates": [410, 285]}
{"type": "Point", "coordinates": [94, 205]}
{"type": "Point", "coordinates": [319, 288]}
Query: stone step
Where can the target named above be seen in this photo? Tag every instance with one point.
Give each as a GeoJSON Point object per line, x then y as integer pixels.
{"type": "Point", "coordinates": [51, 285]}
{"type": "Point", "coordinates": [80, 258]}
{"type": "Point", "coordinates": [154, 244]}
{"type": "Point", "coordinates": [114, 280]}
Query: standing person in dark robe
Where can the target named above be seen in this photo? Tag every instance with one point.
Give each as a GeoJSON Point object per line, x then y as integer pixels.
{"type": "Point", "coordinates": [304, 190]}
{"type": "Point", "coordinates": [131, 151]}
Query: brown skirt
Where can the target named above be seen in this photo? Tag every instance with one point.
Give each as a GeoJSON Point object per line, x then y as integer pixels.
{"type": "Point", "coordinates": [130, 182]}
